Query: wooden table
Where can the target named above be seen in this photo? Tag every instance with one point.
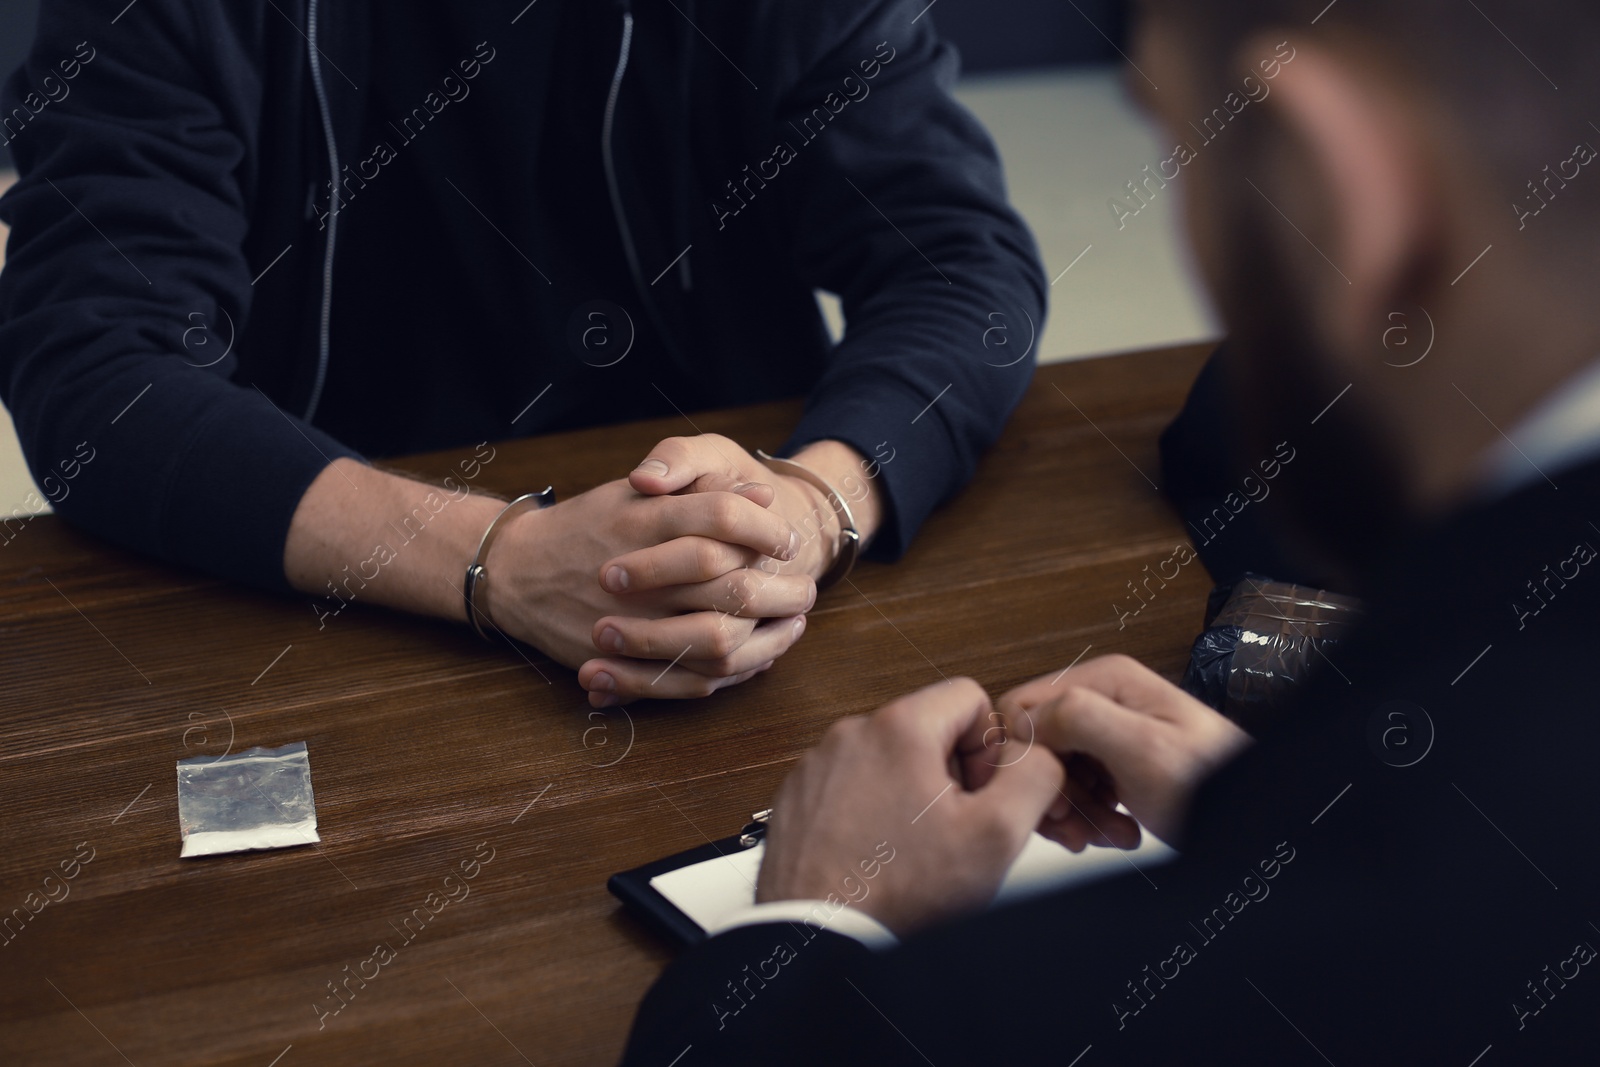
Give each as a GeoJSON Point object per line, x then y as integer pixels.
{"type": "Point", "coordinates": [429, 749]}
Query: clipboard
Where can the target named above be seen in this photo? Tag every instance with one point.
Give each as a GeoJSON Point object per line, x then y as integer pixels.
{"type": "Point", "coordinates": [681, 896]}
{"type": "Point", "coordinates": [654, 908]}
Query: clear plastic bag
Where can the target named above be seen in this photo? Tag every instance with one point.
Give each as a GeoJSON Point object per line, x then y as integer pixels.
{"type": "Point", "coordinates": [1262, 639]}
{"type": "Point", "coordinates": [256, 799]}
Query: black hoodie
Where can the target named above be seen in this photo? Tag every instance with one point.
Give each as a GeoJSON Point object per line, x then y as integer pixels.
{"type": "Point", "coordinates": [253, 237]}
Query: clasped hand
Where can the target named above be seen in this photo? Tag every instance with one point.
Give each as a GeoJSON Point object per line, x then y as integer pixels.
{"type": "Point", "coordinates": [693, 573]}
{"type": "Point", "coordinates": [954, 785]}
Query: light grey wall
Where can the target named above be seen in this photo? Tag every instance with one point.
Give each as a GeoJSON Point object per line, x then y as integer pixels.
{"type": "Point", "coordinates": [17, 18]}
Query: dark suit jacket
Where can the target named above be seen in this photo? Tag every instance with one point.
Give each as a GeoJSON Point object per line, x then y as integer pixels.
{"type": "Point", "coordinates": [1404, 872]}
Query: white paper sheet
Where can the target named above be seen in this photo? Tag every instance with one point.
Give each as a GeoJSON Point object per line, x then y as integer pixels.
{"type": "Point", "coordinates": [709, 891]}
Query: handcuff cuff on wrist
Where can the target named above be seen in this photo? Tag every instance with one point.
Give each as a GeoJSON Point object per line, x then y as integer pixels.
{"type": "Point", "coordinates": [476, 574]}
{"type": "Point", "coordinates": [849, 546]}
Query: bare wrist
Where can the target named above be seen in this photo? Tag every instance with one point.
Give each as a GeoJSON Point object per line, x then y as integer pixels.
{"type": "Point", "coordinates": [365, 535]}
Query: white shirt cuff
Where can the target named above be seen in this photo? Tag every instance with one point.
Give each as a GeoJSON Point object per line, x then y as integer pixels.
{"type": "Point", "coordinates": [837, 918]}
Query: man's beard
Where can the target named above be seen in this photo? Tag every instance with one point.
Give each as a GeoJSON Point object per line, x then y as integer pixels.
{"type": "Point", "coordinates": [1342, 498]}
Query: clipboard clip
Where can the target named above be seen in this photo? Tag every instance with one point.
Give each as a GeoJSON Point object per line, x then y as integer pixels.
{"type": "Point", "coordinates": [755, 829]}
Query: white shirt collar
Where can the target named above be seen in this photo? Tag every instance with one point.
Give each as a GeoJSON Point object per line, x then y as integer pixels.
{"type": "Point", "coordinates": [1561, 432]}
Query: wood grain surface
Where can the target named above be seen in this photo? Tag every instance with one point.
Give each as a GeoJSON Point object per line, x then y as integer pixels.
{"type": "Point", "coordinates": [430, 749]}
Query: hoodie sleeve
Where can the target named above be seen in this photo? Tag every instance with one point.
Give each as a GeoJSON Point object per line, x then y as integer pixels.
{"type": "Point", "coordinates": [901, 209]}
{"type": "Point", "coordinates": [125, 282]}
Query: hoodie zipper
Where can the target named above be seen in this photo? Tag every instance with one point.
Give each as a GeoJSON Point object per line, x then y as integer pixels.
{"type": "Point", "coordinates": [612, 188]}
